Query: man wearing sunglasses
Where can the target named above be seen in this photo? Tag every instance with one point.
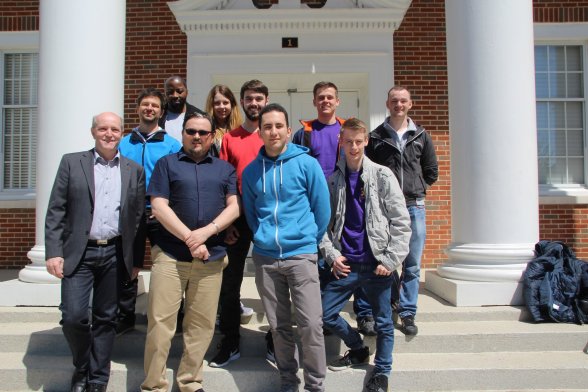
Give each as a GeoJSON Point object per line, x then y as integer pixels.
{"type": "Point", "coordinates": [194, 197]}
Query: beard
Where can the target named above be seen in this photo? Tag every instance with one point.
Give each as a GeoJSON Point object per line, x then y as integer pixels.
{"type": "Point", "coordinates": [252, 116]}
{"type": "Point", "coordinates": [176, 106]}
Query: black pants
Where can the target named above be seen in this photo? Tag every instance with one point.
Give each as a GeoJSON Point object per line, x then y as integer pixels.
{"type": "Point", "coordinates": [91, 339]}
{"type": "Point", "coordinates": [230, 295]}
{"type": "Point", "coordinates": [128, 288]}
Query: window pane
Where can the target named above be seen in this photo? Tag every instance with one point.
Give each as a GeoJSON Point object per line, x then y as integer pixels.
{"type": "Point", "coordinates": [574, 58]}
{"type": "Point", "coordinates": [574, 115]}
{"type": "Point", "coordinates": [557, 85]}
{"type": "Point", "coordinates": [556, 115]}
{"type": "Point", "coordinates": [542, 85]}
{"type": "Point", "coordinates": [542, 115]}
{"type": "Point", "coordinates": [575, 143]}
{"type": "Point", "coordinates": [575, 170]}
{"type": "Point", "coordinates": [543, 143]}
{"type": "Point", "coordinates": [575, 88]}
{"type": "Point", "coordinates": [557, 58]}
{"type": "Point", "coordinates": [541, 58]}
{"type": "Point", "coordinates": [558, 175]}
{"type": "Point", "coordinates": [558, 147]}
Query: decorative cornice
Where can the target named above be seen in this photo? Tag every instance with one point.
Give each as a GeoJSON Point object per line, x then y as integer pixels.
{"type": "Point", "coordinates": [196, 16]}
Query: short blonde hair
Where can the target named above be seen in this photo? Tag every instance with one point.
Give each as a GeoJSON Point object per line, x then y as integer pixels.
{"type": "Point", "coordinates": [354, 124]}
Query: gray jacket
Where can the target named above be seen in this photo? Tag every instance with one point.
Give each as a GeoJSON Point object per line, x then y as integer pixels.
{"type": "Point", "coordinates": [386, 215]}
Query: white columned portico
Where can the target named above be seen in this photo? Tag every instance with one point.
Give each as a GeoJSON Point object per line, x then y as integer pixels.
{"type": "Point", "coordinates": [82, 47]}
{"type": "Point", "coordinates": [494, 198]}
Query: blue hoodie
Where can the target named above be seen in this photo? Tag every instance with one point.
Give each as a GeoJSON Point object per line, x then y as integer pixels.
{"type": "Point", "coordinates": [286, 203]}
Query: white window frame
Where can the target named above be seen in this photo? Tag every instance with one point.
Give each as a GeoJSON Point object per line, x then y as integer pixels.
{"type": "Point", "coordinates": [567, 34]}
{"type": "Point", "coordinates": [15, 42]}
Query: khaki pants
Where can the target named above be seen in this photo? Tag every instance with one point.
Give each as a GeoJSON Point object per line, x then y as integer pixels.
{"type": "Point", "coordinates": [201, 283]}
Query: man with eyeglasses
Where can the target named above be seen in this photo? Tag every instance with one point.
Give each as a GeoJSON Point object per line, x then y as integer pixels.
{"type": "Point", "coordinates": [194, 197]}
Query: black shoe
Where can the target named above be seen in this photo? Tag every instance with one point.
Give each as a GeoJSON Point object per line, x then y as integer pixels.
{"type": "Point", "coordinates": [124, 325]}
{"type": "Point", "coordinates": [79, 381]}
{"type": "Point", "coordinates": [96, 387]}
{"type": "Point", "coordinates": [352, 358]}
{"type": "Point", "coordinates": [377, 383]}
{"type": "Point", "coordinates": [226, 354]}
{"type": "Point", "coordinates": [409, 328]}
{"type": "Point", "coordinates": [270, 355]}
{"type": "Point", "coordinates": [366, 326]}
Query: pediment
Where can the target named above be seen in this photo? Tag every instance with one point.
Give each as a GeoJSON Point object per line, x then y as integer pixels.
{"type": "Point", "coordinates": [213, 17]}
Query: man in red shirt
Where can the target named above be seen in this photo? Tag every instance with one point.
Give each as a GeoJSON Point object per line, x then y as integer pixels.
{"type": "Point", "coordinates": [239, 147]}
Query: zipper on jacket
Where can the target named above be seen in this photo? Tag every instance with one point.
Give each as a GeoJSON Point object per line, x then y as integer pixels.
{"type": "Point", "coordinates": [276, 210]}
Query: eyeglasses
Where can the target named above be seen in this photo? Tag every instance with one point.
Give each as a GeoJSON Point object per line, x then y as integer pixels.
{"type": "Point", "coordinates": [199, 132]}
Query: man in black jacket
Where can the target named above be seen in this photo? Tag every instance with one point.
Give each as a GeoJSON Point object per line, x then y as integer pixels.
{"type": "Point", "coordinates": [408, 150]}
{"type": "Point", "coordinates": [176, 107]}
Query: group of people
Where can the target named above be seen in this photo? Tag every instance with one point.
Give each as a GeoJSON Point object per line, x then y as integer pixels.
{"type": "Point", "coordinates": [332, 210]}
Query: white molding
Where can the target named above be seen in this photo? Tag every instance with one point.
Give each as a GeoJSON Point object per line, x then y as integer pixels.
{"type": "Point", "coordinates": [20, 40]}
{"type": "Point", "coordinates": [560, 31]}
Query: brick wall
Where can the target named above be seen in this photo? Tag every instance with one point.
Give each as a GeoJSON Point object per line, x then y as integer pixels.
{"type": "Point", "coordinates": [19, 15]}
{"type": "Point", "coordinates": [420, 64]}
{"type": "Point", "coordinates": [17, 236]}
{"type": "Point", "coordinates": [560, 11]}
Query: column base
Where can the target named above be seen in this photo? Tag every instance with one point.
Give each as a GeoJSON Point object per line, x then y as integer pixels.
{"type": "Point", "coordinates": [37, 271]}
{"type": "Point", "coordinates": [470, 293]}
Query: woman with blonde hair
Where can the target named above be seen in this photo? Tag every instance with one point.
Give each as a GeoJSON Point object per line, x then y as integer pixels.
{"type": "Point", "coordinates": [222, 107]}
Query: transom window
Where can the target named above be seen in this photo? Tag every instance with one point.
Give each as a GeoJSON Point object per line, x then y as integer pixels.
{"type": "Point", "coordinates": [559, 79]}
{"type": "Point", "coordinates": [19, 120]}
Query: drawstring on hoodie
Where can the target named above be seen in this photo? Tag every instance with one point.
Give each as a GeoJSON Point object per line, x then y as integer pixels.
{"type": "Point", "coordinates": [281, 174]}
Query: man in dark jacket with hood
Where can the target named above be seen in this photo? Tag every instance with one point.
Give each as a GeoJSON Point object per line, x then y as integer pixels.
{"type": "Point", "coordinates": [408, 150]}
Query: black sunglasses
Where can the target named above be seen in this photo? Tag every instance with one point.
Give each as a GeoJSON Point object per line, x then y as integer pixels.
{"type": "Point", "coordinates": [200, 132]}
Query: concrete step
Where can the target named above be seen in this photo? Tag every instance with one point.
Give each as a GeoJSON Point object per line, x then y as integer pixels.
{"type": "Point", "coordinates": [412, 372]}
{"type": "Point", "coordinates": [448, 337]}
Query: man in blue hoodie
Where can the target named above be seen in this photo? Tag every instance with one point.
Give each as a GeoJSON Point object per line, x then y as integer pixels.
{"type": "Point", "coordinates": [145, 145]}
{"type": "Point", "coordinates": [288, 212]}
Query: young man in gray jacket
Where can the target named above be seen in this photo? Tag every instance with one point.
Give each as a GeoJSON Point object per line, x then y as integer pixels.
{"type": "Point", "coordinates": [367, 238]}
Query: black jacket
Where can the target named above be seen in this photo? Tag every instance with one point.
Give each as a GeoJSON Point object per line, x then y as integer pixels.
{"type": "Point", "coordinates": [189, 109]}
{"type": "Point", "coordinates": [554, 284]}
{"type": "Point", "coordinates": [415, 168]}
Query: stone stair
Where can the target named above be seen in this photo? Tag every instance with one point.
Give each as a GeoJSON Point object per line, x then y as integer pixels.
{"type": "Point", "coordinates": [457, 349]}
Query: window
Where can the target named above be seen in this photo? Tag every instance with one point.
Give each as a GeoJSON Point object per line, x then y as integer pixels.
{"type": "Point", "coordinates": [559, 79]}
{"type": "Point", "coordinates": [19, 121]}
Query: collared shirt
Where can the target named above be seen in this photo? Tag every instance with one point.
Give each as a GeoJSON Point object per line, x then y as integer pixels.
{"type": "Point", "coordinates": [402, 138]}
{"type": "Point", "coordinates": [107, 194]}
{"type": "Point", "coordinates": [197, 193]}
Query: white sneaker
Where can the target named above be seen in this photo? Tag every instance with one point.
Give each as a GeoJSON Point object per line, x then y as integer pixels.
{"type": "Point", "coordinates": [246, 311]}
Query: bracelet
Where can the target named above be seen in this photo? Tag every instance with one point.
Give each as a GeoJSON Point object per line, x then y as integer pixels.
{"type": "Point", "coordinates": [216, 227]}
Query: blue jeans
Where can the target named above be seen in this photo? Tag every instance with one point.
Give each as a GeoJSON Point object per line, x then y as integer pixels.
{"type": "Point", "coordinates": [91, 338]}
{"type": "Point", "coordinates": [377, 289]}
{"type": "Point", "coordinates": [408, 290]}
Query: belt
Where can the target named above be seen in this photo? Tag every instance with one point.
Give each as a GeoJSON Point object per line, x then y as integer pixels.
{"type": "Point", "coordinates": [111, 241]}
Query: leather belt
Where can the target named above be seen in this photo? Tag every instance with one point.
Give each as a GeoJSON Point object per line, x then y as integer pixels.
{"type": "Point", "coordinates": [111, 241]}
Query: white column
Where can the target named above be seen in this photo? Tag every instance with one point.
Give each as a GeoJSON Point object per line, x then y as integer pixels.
{"type": "Point", "coordinates": [492, 125]}
{"type": "Point", "coordinates": [82, 49]}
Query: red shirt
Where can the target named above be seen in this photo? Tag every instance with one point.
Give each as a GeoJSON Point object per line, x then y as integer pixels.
{"type": "Point", "coordinates": [240, 148]}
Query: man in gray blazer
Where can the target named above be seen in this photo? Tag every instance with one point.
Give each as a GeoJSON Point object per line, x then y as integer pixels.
{"type": "Point", "coordinates": [95, 207]}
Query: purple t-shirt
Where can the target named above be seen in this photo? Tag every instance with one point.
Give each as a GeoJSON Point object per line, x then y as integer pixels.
{"type": "Point", "coordinates": [325, 145]}
{"type": "Point", "coordinates": [354, 242]}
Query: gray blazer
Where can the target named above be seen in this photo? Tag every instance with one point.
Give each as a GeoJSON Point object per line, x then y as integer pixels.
{"type": "Point", "coordinates": [71, 208]}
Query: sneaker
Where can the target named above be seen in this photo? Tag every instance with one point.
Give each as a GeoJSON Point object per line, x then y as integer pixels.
{"type": "Point", "coordinates": [377, 383]}
{"type": "Point", "coordinates": [366, 326]}
{"type": "Point", "coordinates": [225, 355]}
{"type": "Point", "coordinates": [123, 326]}
{"type": "Point", "coordinates": [352, 358]}
{"type": "Point", "coordinates": [409, 328]}
{"type": "Point", "coordinates": [246, 314]}
{"type": "Point", "coordinates": [270, 355]}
